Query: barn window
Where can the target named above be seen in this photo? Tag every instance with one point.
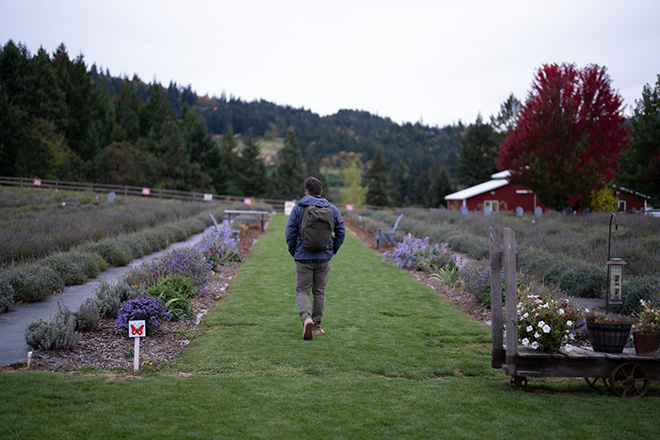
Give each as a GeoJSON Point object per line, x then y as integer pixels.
{"type": "Point", "coordinates": [621, 206]}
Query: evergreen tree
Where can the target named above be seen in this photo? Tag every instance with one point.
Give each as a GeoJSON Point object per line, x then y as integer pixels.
{"type": "Point", "coordinates": [251, 168]}
{"type": "Point", "coordinates": [441, 185]}
{"type": "Point", "coordinates": [225, 181]}
{"type": "Point", "coordinates": [640, 165]}
{"type": "Point", "coordinates": [377, 183]}
{"type": "Point", "coordinates": [506, 119]}
{"type": "Point", "coordinates": [291, 169]}
{"type": "Point", "coordinates": [122, 164]}
{"type": "Point", "coordinates": [15, 119]}
{"type": "Point", "coordinates": [127, 110]}
{"type": "Point", "coordinates": [176, 171]}
{"type": "Point", "coordinates": [480, 148]}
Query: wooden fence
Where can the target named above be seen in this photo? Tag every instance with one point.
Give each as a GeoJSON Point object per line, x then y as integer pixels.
{"type": "Point", "coordinates": [127, 190]}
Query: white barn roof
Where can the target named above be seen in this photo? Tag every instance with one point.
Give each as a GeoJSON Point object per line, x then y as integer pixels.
{"type": "Point", "coordinates": [499, 180]}
{"type": "Point", "coordinates": [477, 189]}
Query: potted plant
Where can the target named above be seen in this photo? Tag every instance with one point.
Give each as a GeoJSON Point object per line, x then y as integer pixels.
{"type": "Point", "coordinates": [608, 332]}
{"type": "Point", "coordinates": [646, 334]}
{"type": "Point", "coordinates": [545, 323]}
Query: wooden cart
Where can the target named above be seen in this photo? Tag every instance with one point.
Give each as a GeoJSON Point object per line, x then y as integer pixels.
{"type": "Point", "coordinates": [627, 374]}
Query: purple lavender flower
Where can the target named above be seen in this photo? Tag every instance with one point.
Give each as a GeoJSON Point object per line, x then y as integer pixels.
{"type": "Point", "coordinates": [146, 307]}
{"type": "Point", "coordinates": [416, 253]}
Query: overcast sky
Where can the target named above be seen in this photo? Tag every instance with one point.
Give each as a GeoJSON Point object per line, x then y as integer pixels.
{"type": "Point", "coordinates": [432, 61]}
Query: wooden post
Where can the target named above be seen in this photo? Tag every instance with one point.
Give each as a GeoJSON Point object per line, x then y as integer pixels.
{"type": "Point", "coordinates": [498, 354]}
{"type": "Point", "coordinates": [511, 299]}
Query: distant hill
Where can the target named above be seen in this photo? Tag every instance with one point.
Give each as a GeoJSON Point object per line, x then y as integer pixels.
{"type": "Point", "coordinates": [412, 151]}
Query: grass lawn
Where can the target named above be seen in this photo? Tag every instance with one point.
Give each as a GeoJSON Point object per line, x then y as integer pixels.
{"type": "Point", "coordinates": [397, 361]}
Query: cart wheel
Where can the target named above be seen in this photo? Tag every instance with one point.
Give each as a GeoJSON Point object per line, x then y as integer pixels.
{"type": "Point", "coordinates": [518, 382]}
{"type": "Point", "coordinates": [629, 380]}
{"type": "Point", "coordinates": [598, 383]}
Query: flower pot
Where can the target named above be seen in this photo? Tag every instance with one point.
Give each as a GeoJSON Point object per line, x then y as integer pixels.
{"type": "Point", "coordinates": [646, 344]}
{"type": "Point", "coordinates": [608, 338]}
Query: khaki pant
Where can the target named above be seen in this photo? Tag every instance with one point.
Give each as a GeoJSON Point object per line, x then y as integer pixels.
{"type": "Point", "coordinates": [311, 277]}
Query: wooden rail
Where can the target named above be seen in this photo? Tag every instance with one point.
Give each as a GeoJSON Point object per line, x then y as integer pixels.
{"type": "Point", "coordinates": [128, 190]}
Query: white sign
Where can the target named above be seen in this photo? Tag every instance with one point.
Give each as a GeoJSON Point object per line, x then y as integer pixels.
{"type": "Point", "coordinates": [37, 182]}
{"type": "Point", "coordinates": [146, 191]}
{"type": "Point", "coordinates": [137, 329]}
{"type": "Point", "coordinates": [349, 207]}
{"type": "Point", "coordinates": [247, 201]}
{"type": "Point", "coordinates": [288, 207]}
{"type": "Point", "coordinates": [208, 197]}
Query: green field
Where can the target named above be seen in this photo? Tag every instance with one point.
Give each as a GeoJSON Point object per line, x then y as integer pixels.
{"type": "Point", "coordinates": [397, 361]}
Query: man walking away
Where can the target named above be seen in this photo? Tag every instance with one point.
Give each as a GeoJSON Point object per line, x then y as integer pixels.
{"type": "Point", "coordinates": [314, 234]}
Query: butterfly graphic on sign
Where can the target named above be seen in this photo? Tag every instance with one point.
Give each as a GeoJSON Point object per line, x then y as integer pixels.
{"type": "Point", "coordinates": [136, 329]}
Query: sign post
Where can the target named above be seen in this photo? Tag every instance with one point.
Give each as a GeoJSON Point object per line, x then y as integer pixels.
{"type": "Point", "coordinates": [136, 330]}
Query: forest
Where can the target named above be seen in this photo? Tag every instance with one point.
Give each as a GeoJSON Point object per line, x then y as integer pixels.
{"type": "Point", "coordinates": [61, 119]}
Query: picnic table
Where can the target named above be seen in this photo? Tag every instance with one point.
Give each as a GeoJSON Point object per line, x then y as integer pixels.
{"type": "Point", "coordinates": [255, 216]}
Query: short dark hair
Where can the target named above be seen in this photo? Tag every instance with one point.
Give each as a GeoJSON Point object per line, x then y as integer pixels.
{"type": "Point", "coordinates": [314, 186]}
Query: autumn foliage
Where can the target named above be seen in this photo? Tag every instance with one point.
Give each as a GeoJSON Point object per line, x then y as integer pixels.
{"type": "Point", "coordinates": [569, 135]}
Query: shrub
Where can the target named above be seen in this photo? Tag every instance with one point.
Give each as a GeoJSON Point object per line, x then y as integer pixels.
{"type": "Point", "coordinates": [188, 262]}
{"type": "Point", "coordinates": [174, 291]}
{"type": "Point", "coordinates": [70, 270]}
{"type": "Point", "coordinates": [32, 283]}
{"type": "Point", "coordinates": [145, 307]}
{"type": "Point", "coordinates": [636, 289]}
{"type": "Point", "coordinates": [58, 332]}
{"type": "Point", "coordinates": [133, 243]}
{"type": "Point", "coordinates": [418, 254]}
{"type": "Point", "coordinates": [6, 296]}
{"type": "Point", "coordinates": [475, 279]}
{"type": "Point", "coordinates": [116, 254]}
{"type": "Point", "coordinates": [584, 280]}
{"type": "Point", "coordinates": [109, 298]}
{"type": "Point", "coordinates": [91, 263]}
{"type": "Point", "coordinates": [219, 246]}
{"type": "Point", "coordinates": [88, 316]}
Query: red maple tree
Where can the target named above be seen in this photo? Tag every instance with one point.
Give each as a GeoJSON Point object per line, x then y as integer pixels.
{"type": "Point", "coordinates": [569, 135]}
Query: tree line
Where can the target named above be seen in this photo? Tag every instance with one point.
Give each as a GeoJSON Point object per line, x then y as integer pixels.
{"type": "Point", "coordinates": [61, 120]}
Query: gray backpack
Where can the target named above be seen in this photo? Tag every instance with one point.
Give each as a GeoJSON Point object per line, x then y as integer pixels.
{"type": "Point", "coordinates": [317, 227]}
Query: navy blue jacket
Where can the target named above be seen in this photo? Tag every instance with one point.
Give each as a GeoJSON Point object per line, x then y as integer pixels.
{"type": "Point", "coordinates": [294, 240]}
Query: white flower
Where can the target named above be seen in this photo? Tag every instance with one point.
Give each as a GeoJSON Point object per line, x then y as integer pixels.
{"type": "Point", "coordinates": [535, 345]}
{"type": "Point", "coordinates": [525, 342]}
{"type": "Point", "coordinates": [560, 311]}
{"type": "Point", "coordinates": [536, 335]}
{"type": "Point", "coordinates": [546, 328]}
{"type": "Point", "coordinates": [546, 306]}
{"type": "Point", "coordinates": [569, 323]}
{"type": "Point", "coordinates": [541, 324]}
{"type": "Point", "coordinates": [529, 328]}
{"type": "Point", "coordinates": [526, 315]}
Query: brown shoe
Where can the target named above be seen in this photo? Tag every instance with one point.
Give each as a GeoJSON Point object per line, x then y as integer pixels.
{"type": "Point", "coordinates": [308, 326]}
{"type": "Point", "coordinates": [318, 332]}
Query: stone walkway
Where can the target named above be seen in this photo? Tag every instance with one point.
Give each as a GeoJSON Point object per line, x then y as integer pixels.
{"type": "Point", "coordinates": [13, 348]}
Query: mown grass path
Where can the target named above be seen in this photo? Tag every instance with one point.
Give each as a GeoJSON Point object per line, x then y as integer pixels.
{"type": "Point", "coordinates": [397, 361]}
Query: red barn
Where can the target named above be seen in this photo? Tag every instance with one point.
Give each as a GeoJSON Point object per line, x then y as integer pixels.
{"type": "Point", "coordinates": [498, 194]}
{"type": "Point", "coordinates": [630, 201]}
